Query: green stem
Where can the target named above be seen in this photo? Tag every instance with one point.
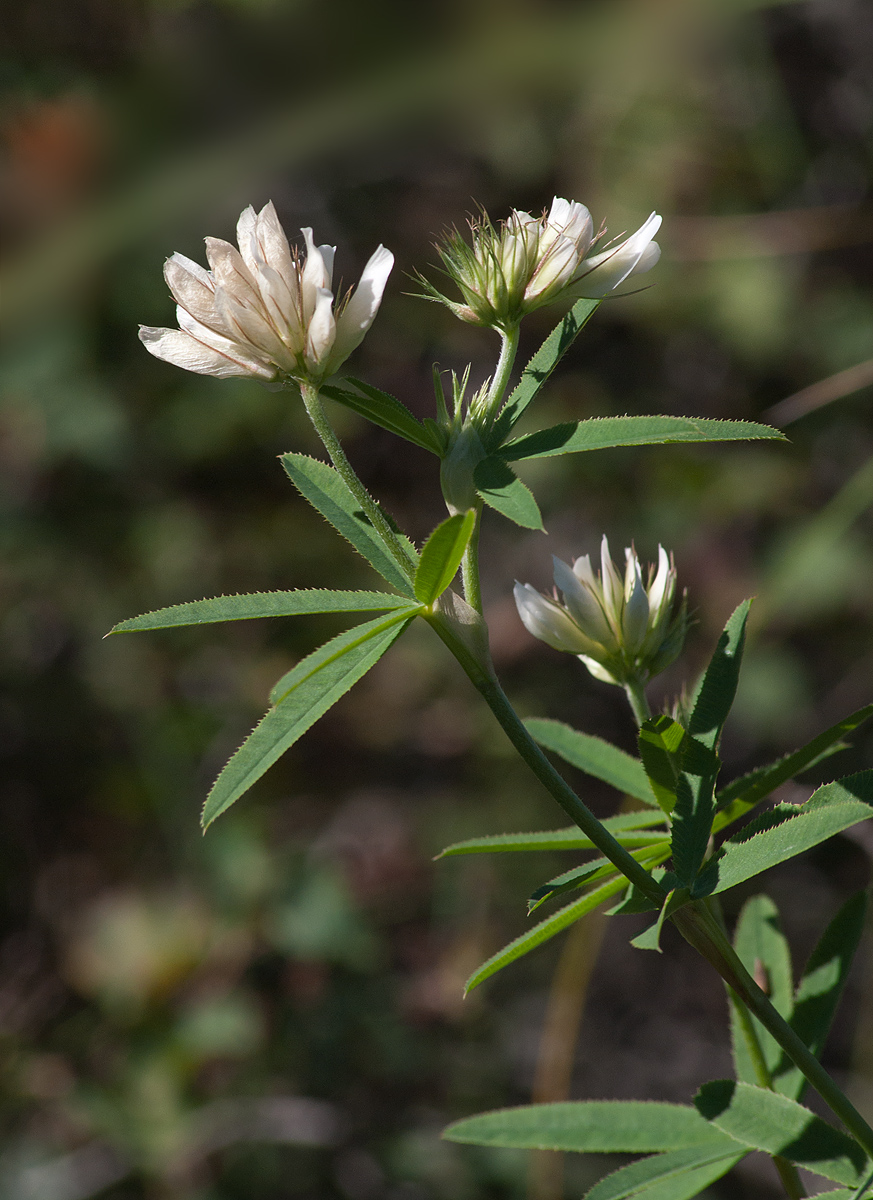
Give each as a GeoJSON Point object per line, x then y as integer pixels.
{"type": "Point", "coordinates": [470, 566]}
{"type": "Point", "coordinates": [788, 1173]}
{"type": "Point", "coordinates": [373, 512]}
{"type": "Point", "coordinates": [483, 677]}
{"type": "Point", "coordinates": [701, 930]}
{"type": "Point", "coordinates": [636, 695]}
{"type": "Point", "coordinates": [502, 372]}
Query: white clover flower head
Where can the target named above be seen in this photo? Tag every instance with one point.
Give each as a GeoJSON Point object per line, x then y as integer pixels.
{"type": "Point", "coordinates": [525, 262]}
{"type": "Point", "coordinates": [623, 630]}
{"type": "Point", "coordinates": [265, 310]}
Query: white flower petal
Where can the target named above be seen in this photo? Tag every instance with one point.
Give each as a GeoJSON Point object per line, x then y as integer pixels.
{"type": "Point", "coordinates": [358, 315]}
{"type": "Point", "coordinates": [605, 271]}
{"type": "Point", "coordinates": [635, 618]}
{"type": "Point", "coordinates": [548, 621]}
{"type": "Point", "coordinates": [583, 607]}
{"type": "Point", "coordinates": [249, 356]}
{"type": "Point", "coordinates": [321, 331]}
{"type": "Point", "coordinates": [231, 272]}
{"type": "Point", "coordinates": [274, 248]}
{"type": "Point", "coordinates": [193, 289]}
{"type": "Point", "coordinates": [246, 228]}
{"type": "Point", "coordinates": [182, 350]}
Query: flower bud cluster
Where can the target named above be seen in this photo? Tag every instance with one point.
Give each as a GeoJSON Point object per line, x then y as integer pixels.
{"type": "Point", "coordinates": [265, 310]}
{"type": "Point", "coordinates": [521, 264]}
{"type": "Point", "coordinates": [624, 631]}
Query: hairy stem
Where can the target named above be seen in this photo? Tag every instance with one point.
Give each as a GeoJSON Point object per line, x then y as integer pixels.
{"type": "Point", "coordinates": [502, 372]}
{"type": "Point", "coordinates": [373, 512]}
{"type": "Point", "coordinates": [470, 566]}
{"type": "Point", "coordinates": [636, 695]}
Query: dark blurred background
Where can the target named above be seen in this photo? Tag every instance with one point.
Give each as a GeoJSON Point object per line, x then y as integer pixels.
{"type": "Point", "coordinates": [275, 1010]}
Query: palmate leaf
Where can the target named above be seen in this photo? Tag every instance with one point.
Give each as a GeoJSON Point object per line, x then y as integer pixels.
{"type": "Point", "coordinates": [605, 433]}
{"type": "Point", "coordinates": [629, 829]}
{"type": "Point", "coordinates": [382, 409]}
{"type": "Point", "coordinates": [322, 486]}
{"type": "Point", "coordinates": [695, 800]}
{"type": "Point", "coordinates": [302, 696]}
{"type": "Point", "coordinates": [594, 756]}
{"type": "Point", "coordinates": [762, 947]}
{"type": "Point", "coordinates": [502, 490]}
{"type": "Point", "coordinates": [764, 1120]}
{"type": "Point", "coordinates": [674, 1175]}
{"type": "Point", "coordinates": [820, 988]}
{"type": "Point", "coordinates": [788, 830]}
{"type": "Point", "coordinates": [543, 931]}
{"type": "Point", "coordinates": [592, 1127]}
{"type": "Point", "coordinates": [246, 607]}
{"type": "Point", "coordinates": [441, 556]}
{"type": "Point", "coordinates": [741, 795]}
{"type": "Point", "coordinates": [541, 366]}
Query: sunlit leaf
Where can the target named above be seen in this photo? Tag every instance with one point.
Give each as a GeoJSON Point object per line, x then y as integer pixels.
{"type": "Point", "coordinates": [382, 409]}
{"type": "Point", "coordinates": [764, 1120]}
{"type": "Point", "coordinates": [591, 1127]}
{"type": "Point", "coordinates": [674, 1175]}
{"type": "Point", "coordinates": [325, 491]}
{"type": "Point", "coordinates": [628, 829]}
{"type": "Point", "coordinates": [262, 604]}
{"type": "Point", "coordinates": [604, 433]}
{"type": "Point", "coordinates": [441, 556]}
{"type": "Point", "coordinates": [300, 698]}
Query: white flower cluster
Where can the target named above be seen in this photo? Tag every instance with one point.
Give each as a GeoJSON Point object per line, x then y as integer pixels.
{"type": "Point", "coordinates": [526, 262]}
{"type": "Point", "coordinates": [264, 310]}
{"type": "Point", "coordinates": [623, 630]}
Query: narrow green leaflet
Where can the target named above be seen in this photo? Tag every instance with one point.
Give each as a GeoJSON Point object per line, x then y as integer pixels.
{"type": "Point", "coordinates": [742, 794]}
{"type": "Point", "coordinates": [382, 409]}
{"type": "Point", "coordinates": [594, 756]}
{"type": "Point", "coordinates": [629, 830]}
{"type": "Point", "coordinates": [325, 491]}
{"type": "Point", "coordinates": [819, 991]}
{"type": "Point", "coordinates": [301, 697]}
{"type": "Point", "coordinates": [788, 830]}
{"type": "Point", "coordinates": [441, 556]}
{"type": "Point", "coordinates": [543, 931]}
{"type": "Point", "coordinates": [262, 604]}
{"type": "Point", "coordinates": [502, 490]}
{"type": "Point", "coordinates": [589, 1127]}
{"type": "Point", "coordinates": [764, 1120]}
{"type": "Point", "coordinates": [592, 871]}
{"type": "Point", "coordinates": [695, 801]}
{"type": "Point", "coordinates": [674, 1175]}
{"type": "Point", "coordinates": [844, 1194]}
{"type": "Point", "coordinates": [541, 366]}
{"type": "Point", "coordinates": [764, 952]}
{"type": "Point", "coordinates": [604, 433]}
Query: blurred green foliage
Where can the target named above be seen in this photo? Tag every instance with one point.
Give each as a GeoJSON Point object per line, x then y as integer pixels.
{"type": "Point", "coordinates": [275, 1010]}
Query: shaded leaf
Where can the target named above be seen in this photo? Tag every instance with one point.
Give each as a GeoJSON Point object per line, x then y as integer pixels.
{"type": "Point", "coordinates": [629, 829]}
{"type": "Point", "coordinates": [502, 490]}
{"type": "Point", "coordinates": [744, 793]}
{"type": "Point", "coordinates": [594, 756]}
{"type": "Point", "coordinates": [302, 696]}
{"type": "Point", "coordinates": [821, 986]}
{"type": "Point", "coordinates": [262, 604]}
{"type": "Point", "coordinates": [764, 952]}
{"type": "Point", "coordinates": [589, 1126]}
{"type": "Point", "coordinates": [324, 489]}
{"type": "Point", "coordinates": [441, 556]}
{"type": "Point", "coordinates": [764, 1120]}
{"type": "Point", "coordinates": [661, 743]}
{"type": "Point", "coordinates": [382, 409]}
{"type": "Point", "coordinates": [695, 799]}
{"type": "Point", "coordinates": [654, 853]}
{"type": "Point", "coordinates": [604, 433]}
{"type": "Point", "coordinates": [541, 366]}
